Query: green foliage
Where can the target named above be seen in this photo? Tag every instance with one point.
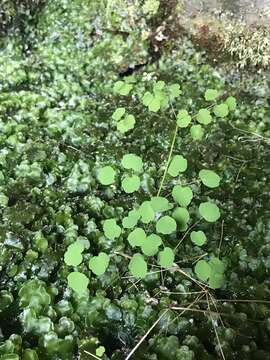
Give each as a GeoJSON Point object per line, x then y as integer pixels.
{"type": "Point", "coordinates": [132, 161]}
{"type": "Point", "coordinates": [209, 178]}
{"type": "Point", "coordinates": [166, 225]}
{"type": "Point", "coordinates": [137, 266]}
{"type": "Point", "coordinates": [166, 258]}
{"type": "Point", "coordinates": [177, 165]}
{"type": "Point", "coordinates": [210, 94]}
{"type": "Point", "coordinates": [212, 271]}
{"type": "Point", "coordinates": [111, 229]}
{"type": "Point", "coordinates": [98, 264]}
{"type": "Point", "coordinates": [106, 175]}
{"type": "Point", "coordinates": [198, 237]}
{"type": "Point", "coordinates": [209, 211]}
{"type": "Point", "coordinates": [78, 282]}
{"type": "Point", "coordinates": [131, 184]}
{"type": "Point", "coordinates": [182, 195]}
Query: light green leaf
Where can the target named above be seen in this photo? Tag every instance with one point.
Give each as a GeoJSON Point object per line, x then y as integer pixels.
{"type": "Point", "coordinates": [126, 124]}
{"type": "Point", "coordinates": [111, 229]}
{"type": "Point", "coordinates": [202, 270]}
{"type": "Point", "coordinates": [160, 204]}
{"type": "Point", "coordinates": [151, 244]}
{"type": "Point", "coordinates": [174, 90]}
{"type": "Point", "coordinates": [198, 237]}
{"type": "Point", "coordinates": [196, 132]}
{"type": "Point", "coordinates": [221, 110]}
{"type": "Point", "coordinates": [78, 282]}
{"type": "Point", "coordinates": [137, 266]}
{"type": "Point", "coordinates": [209, 178]}
{"type": "Point", "coordinates": [137, 237]}
{"type": "Point", "coordinates": [166, 225]}
{"type": "Point", "coordinates": [183, 119]}
{"type": "Point", "coordinates": [154, 105]}
{"type": "Point", "coordinates": [146, 212]}
{"type": "Point", "coordinates": [182, 195]}
{"type": "Point", "coordinates": [131, 220]}
{"type": "Point", "coordinates": [73, 255]}
{"type": "Point", "coordinates": [204, 117]}
{"type": "Point", "coordinates": [99, 264]}
{"type": "Point", "coordinates": [106, 175]}
{"type": "Point", "coordinates": [122, 88]}
{"type": "Point", "coordinates": [100, 351]}
{"type": "Point", "coordinates": [181, 215]}
{"type": "Point", "coordinates": [131, 184]}
{"type": "Point", "coordinates": [177, 165]}
{"type": "Point", "coordinates": [132, 161]}
{"type": "Point", "coordinates": [210, 94]}
{"type": "Point", "coordinates": [118, 113]}
{"type": "Point", "coordinates": [166, 258]}
{"type": "Point", "coordinates": [147, 98]}
{"type": "Point", "coordinates": [209, 211]}
{"type": "Point", "coordinates": [231, 102]}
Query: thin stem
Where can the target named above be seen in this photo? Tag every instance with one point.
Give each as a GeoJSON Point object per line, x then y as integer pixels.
{"type": "Point", "coordinates": [168, 161]}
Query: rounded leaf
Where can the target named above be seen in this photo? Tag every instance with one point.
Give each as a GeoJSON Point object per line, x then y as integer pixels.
{"type": "Point", "coordinates": [204, 117]}
{"type": "Point", "coordinates": [126, 124]}
{"type": "Point", "coordinates": [182, 195]}
{"type": "Point", "coordinates": [118, 113]}
{"type": "Point", "coordinates": [136, 237]}
{"type": "Point", "coordinates": [166, 258]}
{"type": "Point", "coordinates": [78, 282]}
{"type": "Point", "coordinates": [209, 211]}
{"type": "Point", "coordinates": [183, 119]}
{"type": "Point", "coordinates": [231, 102]}
{"type": "Point", "coordinates": [166, 225]}
{"type": "Point", "coordinates": [132, 161]}
{"type": "Point", "coordinates": [202, 270]}
{"type": "Point", "coordinates": [137, 266]}
{"type": "Point", "coordinates": [160, 204]}
{"type": "Point", "coordinates": [98, 264]}
{"type": "Point", "coordinates": [209, 178]}
{"type": "Point", "coordinates": [177, 165]}
{"type": "Point", "coordinates": [210, 94]}
{"type": "Point", "coordinates": [106, 175]}
{"type": "Point", "coordinates": [146, 212]}
{"type": "Point", "coordinates": [221, 110]}
{"type": "Point", "coordinates": [198, 237]}
{"type": "Point", "coordinates": [111, 229]}
{"type": "Point", "coordinates": [151, 244]}
{"type": "Point", "coordinates": [181, 215]}
{"type": "Point", "coordinates": [196, 132]}
{"type": "Point", "coordinates": [131, 184]}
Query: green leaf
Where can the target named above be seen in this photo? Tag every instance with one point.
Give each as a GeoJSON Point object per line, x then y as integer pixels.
{"type": "Point", "coordinates": [209, 178]}
{"type": "Point", "coordinates": [198, 237]}
{"type": "Point", "coordinates": [182, 195]}
{"type": "Point", "coordinates": [174, 90]}
{"type": "Point", "coordinates": [118, 113]}
{"type": "Point", "coordinates": [155, 105]}
{"type": "Point", "coordinates": [196, 132]}
{"type": "Point", "coordinates": [99, 264]}
{"type": "Point", "coordinates": [181, 215]}
{"type": "Point", "coordinates": [78, 282]}
{"type": "Point", "coordinates": [217, 273]}
{"type": "Point", "coordinates": [221, 110]}
{"type": "Point", "coordinates": [159, 85]}
{"type": "Point", "coordinates": [160, 204]}
{"type": "Point", "coordinates": [131, 220]}
{"type": "Point", "coordinates": [131, 184]}
{"type": "Point", "coordinates": [177, 165]}
{"type": "Point", "coordinates": [166, 225]}
{"type": "Point", "coordinates": [204, 117]}
{"type": "Point", "coordinates": [137, 266]}
{"type": "Point", "coordinates": [166, 258]}
{"type": "Point", "coordinates": [132, 161]}
{"type": "Point", "coordinates": [147, 98]}
{"type": "Point", "coordinates": [231, 102]}
{"type": "Point", "coordinates": [146, 212]}
{"type": "Point", "coordinates": [209, 211]}
{"type": "Point", "coordinates": [122, 88]}
{"type": "Point", "coordinates": [137, 237]}
{"type": "Point", "coordinates": [106, 175]}
{"type": "Point", "coordinates": [73, 255]}
{"type": "Point", "coordinates": [126, 124]}
{"type": "Point", "coordinates": [151, 244]}
{"type": "Point", "coordinates": [111, 229]}
{"type": "Point", "coordinates": [202, 270]}
{"type": "Point", "coordinates": [210, 94]}
{"type": "Point", "coordinates": [100, 351]}
{"type": "Point", "coordinates": [183, 119]}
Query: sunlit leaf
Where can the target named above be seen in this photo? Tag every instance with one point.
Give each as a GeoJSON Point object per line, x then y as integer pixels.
{"type": "Point", "coordinates": [136, 237]}
{"type": "Point", "coordinates": [183, 119]}
{"type": "Point", "coordinates": [151, 244]}
{"type": "Point", "coordinates": [202, 270]}
{"type": "Point", "coordinates": [132, 161]}
{"type": "Point", "coordinates": [231, 102]}
{"type": "Point", "coordinates": [100, 351]}
{"type": "Point", "coordinates": [137, 266]}
{"type": "Point", "coordinates": [209, 211]}
{"type": "Point", "coordinates": [198, 237]}
{"type": "Point", "coordinates": [166, 225]}
{"type": "Point", "coordinates": [209, 178]}
{"type": "Point", "coordinates": [106, 175]}
{"type": "Point", "coordinates": [131, 184]}
{"type": "Point", "coordinates": [166, 258]}
{"type": "Point", "coordinates": [98, 264]}
{"type": "Point", "coordinates": [111, 229]}
{"type": "Point", "coordinates": [126, 124]}
{"type": "Point", "coordinates": [177, 165]}
{"type": "Point", "coordinates": [160, 204]}
{"type": "Point", "coordinates": [78, 282]}
{"type": "Point", "coordinates": [182, 195]}
{"type": "Point", "coordinates": [174, 90]}
{"type": "Point", "coordinates": [122, 88]}
{"type": "Point", "coordinates": [118, 113]}
{"type": "Point", "coordinates": [204, 117]}
{"type": "Point", "coordinates": [210, 94]}
{"type": "Point", "coordinates": [221, 110]}
{"type": "Point", "coordinates": [146, 212]}
{"type": "Point", "coordinates": [196, 132]}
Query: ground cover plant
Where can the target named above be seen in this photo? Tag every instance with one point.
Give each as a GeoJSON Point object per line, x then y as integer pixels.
{"type": "Point", "coordinates": [134, 192]}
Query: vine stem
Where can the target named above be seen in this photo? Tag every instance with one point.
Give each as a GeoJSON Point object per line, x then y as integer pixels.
{"type": "Point", "coordinates": [168, 161]}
